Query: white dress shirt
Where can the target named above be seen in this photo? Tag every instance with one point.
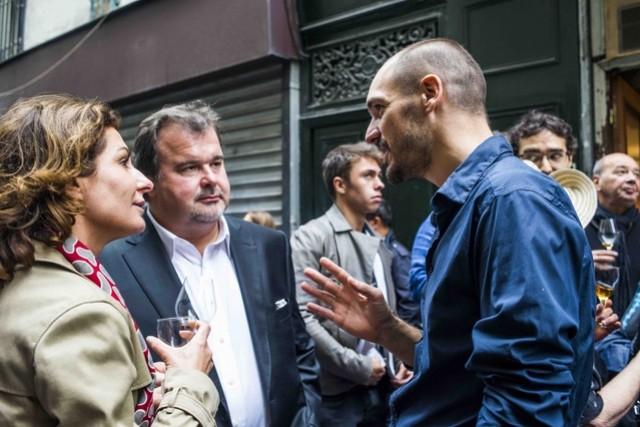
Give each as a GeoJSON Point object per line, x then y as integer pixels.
{"type": "Point", "coordinates": [366, 347]}
{"type": "Point", "coordinates": [212, 286]}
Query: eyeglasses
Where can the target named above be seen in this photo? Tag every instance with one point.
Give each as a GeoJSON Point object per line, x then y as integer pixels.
{"type": "Point", "coordinates": [552, 156]}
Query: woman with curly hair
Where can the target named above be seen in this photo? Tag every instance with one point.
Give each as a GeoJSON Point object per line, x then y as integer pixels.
{"type": "Point", "coordinates": [72, 354]}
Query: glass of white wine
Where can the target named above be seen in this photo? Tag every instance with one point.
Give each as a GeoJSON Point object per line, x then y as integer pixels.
{"type": "Point", "coordinates": [177, 331]}
{"type": "Point", "coordinates": [606, 281]}
{"type": "Point", "coordinates": [608, 233]}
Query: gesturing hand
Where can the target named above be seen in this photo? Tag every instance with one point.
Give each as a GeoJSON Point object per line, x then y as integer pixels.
{"type": "Point", "coordinates": [355, 306]}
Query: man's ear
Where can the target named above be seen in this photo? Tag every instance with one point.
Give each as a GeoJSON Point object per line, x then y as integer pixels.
{"type": "Point", "coordinates": [596, 181]}
{"type": "Point", "coordinates": [432, 92]}
{"type": "Point", "coordinates": [339, 186]}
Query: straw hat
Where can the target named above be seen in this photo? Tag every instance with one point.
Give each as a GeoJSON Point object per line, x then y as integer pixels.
{"type": "Point", "coordinates": [581, 191]}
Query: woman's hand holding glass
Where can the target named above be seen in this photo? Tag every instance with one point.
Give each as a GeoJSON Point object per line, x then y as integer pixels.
{"type": "Point", "coordinates": [181, 342]}
{"type": "Point", "coordinates": [176, 331]}
{"type": "Point", "coordinates": [193, 355]}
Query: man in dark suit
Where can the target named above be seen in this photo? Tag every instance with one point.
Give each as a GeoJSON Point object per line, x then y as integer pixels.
{"type": "Point", "coordinates": [237, 275]}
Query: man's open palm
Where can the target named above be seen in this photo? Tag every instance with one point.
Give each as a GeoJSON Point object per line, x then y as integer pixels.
{"type": "Point", "coordinates": [355, 306]}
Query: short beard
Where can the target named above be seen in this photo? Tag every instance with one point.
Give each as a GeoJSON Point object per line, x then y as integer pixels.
{"type": "Point", "coordinates": [395, 174]}
{"type": "Point", "coordinates": [206, 216]}
{"type": "Point", "coordinates": [413, 161]}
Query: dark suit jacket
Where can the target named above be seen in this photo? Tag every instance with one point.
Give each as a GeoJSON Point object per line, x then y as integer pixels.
{"type": "Point", "coordinates": [285, 354]}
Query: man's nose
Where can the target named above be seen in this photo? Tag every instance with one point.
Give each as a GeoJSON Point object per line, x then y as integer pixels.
{"type": "Point", "coordinates": [631, 177]}
{"type": "Point", "coordinates": [373, 134]}
{"type": "Point", "coordinates": [208, 176]}
{"type": "Point", "coordinates": [545, 165]}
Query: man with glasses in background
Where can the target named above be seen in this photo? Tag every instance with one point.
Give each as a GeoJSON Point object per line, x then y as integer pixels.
{"type": "Point", "coordinates": [545, 140]}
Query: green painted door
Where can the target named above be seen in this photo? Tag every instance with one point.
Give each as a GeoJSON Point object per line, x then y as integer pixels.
{"type": "Point", "coordinates": [528, 50]}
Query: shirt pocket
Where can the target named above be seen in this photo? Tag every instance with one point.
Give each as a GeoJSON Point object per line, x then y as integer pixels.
{"type": "Point", "coordinates": [282, 309]}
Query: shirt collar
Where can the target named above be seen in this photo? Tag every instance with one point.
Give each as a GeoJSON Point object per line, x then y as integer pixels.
{"type": "Point", "coordinates": [337, 219]}
{"type": "Point", "coordinates": [170, 240]}
{"type": "Point", "coordinates": [341, 225]}
{"type": "Point", "coordinates": [458, 186]}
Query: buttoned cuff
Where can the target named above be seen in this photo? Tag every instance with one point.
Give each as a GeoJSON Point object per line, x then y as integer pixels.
{"type": "Point", "coordinates": [192, 392]}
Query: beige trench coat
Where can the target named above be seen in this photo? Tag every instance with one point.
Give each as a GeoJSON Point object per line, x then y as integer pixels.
{"type": "Point", "coordinates": [71, 356]}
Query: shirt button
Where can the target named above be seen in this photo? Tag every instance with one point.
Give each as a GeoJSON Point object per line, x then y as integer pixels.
{"type": "Point", "coordinates": [221, 340]}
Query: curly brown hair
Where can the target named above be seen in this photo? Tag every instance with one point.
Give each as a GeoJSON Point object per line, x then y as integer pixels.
{"type": "Point", "coordinates": [46, 142]}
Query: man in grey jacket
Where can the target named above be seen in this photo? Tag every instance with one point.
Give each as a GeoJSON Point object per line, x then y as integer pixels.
{"type": "Point", "coordinates": [352, 378]}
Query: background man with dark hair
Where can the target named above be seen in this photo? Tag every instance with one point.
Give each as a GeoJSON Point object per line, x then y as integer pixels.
{"type": "Point", "coordinates": [544, 139]}
{"type": "Point", "coordinates": [352, 376]}
{"type": "Point", "coordinates": [508, 309]}
{"type": "Point", "coordinates": [237, 275]}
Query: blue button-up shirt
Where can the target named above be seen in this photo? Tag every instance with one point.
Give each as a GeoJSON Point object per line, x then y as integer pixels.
{"type": "Point", "coordinates": [508, 310]}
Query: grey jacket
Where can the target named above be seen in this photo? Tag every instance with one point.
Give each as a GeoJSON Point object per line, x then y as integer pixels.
{"type": "Point", "coordinates": [331, 236]}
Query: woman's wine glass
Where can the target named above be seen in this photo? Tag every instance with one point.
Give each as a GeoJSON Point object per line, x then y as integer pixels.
{"type": "Point", "coordinates": [183, 306]}
{"type": "Point", "coordinates": [177, 331]}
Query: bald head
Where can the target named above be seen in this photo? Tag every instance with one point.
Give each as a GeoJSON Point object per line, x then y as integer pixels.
{"type": "Point", "coordinates": [610, 160]}
{"type": "Point", "coordinates": [617, 179]}
{"type": "Point", "coordinates": [461, 75]}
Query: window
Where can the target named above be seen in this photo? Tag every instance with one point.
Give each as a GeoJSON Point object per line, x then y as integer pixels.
{"type": "Point", "coordinates": [11, 28]}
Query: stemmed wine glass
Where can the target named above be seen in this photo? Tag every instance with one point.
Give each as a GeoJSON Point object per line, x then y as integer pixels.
{"type": "Point", "coordinates": [183, 306]}
{"type": "Point", "coordinates": [608, 233]}
{"type": "Point", "coordinates": [177, 331]}
{"type": "Point", "coordinates": [606, 281]}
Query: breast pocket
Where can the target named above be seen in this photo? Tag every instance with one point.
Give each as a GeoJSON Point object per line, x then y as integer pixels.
{"type": "Point", "coordinates": [282, 309]}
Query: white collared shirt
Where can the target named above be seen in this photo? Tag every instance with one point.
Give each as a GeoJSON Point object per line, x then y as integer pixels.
{"type": "Point", "coordinates": [212, 286]}
{"type": "Point", "coordinates": [366, 347]}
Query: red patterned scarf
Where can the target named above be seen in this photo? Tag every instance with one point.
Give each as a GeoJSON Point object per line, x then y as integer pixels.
{"type": "Point", "coordinates": [86, 263]}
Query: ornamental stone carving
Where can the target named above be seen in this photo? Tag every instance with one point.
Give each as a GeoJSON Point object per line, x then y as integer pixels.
{"type": "Point", "coordinates": [343, 72]}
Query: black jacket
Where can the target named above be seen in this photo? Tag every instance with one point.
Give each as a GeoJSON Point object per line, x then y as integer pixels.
{"type": "Point", "coordinates": [284, 351]}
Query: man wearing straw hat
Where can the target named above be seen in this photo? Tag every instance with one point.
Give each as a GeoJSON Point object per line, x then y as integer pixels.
{"type": "Point", "coordinates": [545, 140]}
